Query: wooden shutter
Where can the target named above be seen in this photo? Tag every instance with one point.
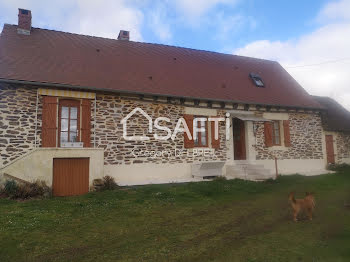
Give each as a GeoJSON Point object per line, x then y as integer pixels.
{"type": "Point", "coordinates": [49, 121]}
{"type": "Point", "coordinates": [215, 143]}
{"type": "Point", "coordinates": [189, 143]}
{"type": "Point", "coordinates": [86, 122]}
{"type": "Point", "coordinates": [268, 133]}
{"type": "Point", "coordinates": [286, 133]}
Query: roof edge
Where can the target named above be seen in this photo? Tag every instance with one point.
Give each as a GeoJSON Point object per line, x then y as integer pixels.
{"type": "Point", "coordinates": [149, 43]}
{"type": "Point", "coordinates": [25, 82]}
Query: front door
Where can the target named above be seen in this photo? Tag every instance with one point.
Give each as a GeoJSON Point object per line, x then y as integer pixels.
{"type": "Point", "coordinates": [239, 139]}
{"type": "Point", "coordinates": [330, 149]}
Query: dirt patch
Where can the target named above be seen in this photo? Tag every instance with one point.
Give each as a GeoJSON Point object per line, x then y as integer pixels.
{"type": "Point", "coordinates": [232, 241]}
{"type": "Point", "coordinates": [219, 231]}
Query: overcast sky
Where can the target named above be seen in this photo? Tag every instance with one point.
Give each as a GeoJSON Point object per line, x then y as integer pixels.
{"type": "Point", "coordinates": [311, 39]}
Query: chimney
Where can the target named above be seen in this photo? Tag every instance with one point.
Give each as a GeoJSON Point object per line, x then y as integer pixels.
{"type": "Point", "coordinates": [124, 35]}
{"type": "Point", "coordinates": [24, 21]}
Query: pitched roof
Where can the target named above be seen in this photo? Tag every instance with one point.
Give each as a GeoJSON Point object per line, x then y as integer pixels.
{"type": "Point", "coordinates": [337, 118]}
{"type": "Point", "coordinates": [54, 57]}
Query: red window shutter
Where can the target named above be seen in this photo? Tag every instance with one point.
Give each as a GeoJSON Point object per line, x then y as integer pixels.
{"type": "Point", "coordinates": [86, 122]}
{"type": "Point", "coordinates": [268, 133]}
{"type": "Point", "coordinates": [286, 133]}
{"type": "Point", "coordinates": [215, 143]}
{"type": "Point", "coordinates": [189, 143]}
{"type": "Point", "coordinates": [49, 122]}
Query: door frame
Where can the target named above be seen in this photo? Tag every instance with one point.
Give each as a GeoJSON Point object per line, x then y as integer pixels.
{"type": "Point", "coordinates": [243, 129]}
{"type": "Point", "coordinates": [333, 147]}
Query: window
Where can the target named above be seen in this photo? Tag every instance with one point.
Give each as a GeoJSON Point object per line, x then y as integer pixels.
{"type": "Point", "coordinates": [69, 116]}
{"type": "Point", "coordinates": [276, 133]}
{"type": "Point", "coordinates": [202, 137]}
{"type": "Point", "coordinates": [257, 80]}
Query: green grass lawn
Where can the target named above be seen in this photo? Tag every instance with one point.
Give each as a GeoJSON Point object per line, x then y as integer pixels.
{"type": "Point", "coordinates": [207, 221]}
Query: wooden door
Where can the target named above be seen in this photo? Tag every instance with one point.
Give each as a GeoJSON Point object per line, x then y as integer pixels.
{"type": "Point", "coordinates": [239, 139]}
{"type": "Point", "coordinates": [70, 176]}
{"type": "Point", "coordinates": [330, 149]}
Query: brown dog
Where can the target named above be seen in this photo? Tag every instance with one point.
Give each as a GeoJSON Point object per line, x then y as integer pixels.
{"type": "Point", "coordinates": [307, 204]}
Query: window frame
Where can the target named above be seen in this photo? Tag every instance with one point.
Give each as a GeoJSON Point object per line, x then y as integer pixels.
{"type": "Point", "coordinates": [257, 78]}
{"type": "Point", "coordinates": [274, 133]}
{"type": "Point", "coordinates": [199, 135]}
{"type": "Point", "coordinates": [68, 103]}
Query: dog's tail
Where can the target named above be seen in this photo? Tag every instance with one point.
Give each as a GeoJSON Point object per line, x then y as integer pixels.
{"type": "Point", "coordinates": [292, 198]}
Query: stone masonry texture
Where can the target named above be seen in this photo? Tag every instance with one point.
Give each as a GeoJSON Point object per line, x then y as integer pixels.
{"type": "Point", "coordinates": [305, 135]}
{"type": "Point", "coordinates": [17, 129]}
{"type": "Point", "coordinates": [343, 146]}
{"type": "Point", "coordinates": [17, 121]}
{"type": "Point", "coordinates": [109, 133]}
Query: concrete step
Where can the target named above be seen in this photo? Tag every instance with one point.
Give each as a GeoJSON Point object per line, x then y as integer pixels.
{"type": "Point", "coordinates": [250, 165]}
{"type": "Point", "coordinates": [207, 169]}
{"type": "Point", "coordinates": [248, 171]}
{"type": "Point", "coordinates": [234, 170]}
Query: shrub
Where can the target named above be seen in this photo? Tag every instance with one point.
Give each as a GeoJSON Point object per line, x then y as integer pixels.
{"type": "Point", "coordinates": [338, 167]}
{"type": "Point", "coordinates": [26, 190]}
{"type": "Point", "coordinates": [270, 181]}
{"type": "Point", "coordinates": [39, 188]}
{"type": "Point", "coordinates": [220, 178]}
{"type": "Point", "coordinates": [23, 192]}
{"type": "Point", "coordinates": [108, 183]}
{"type": "Point", "coordinates": [10, 187]}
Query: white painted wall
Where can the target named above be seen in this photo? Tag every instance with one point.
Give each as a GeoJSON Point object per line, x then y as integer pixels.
{"type": "Point", "coordinates": [139, 174]}
{"type": "Point", "coordinates": [293, 166]}
{"type": "Point", "coordinates": [276, 116]}
{"type": "Point", "coordinates": [346, 160]}
{"type": "Point", "coordinates": [39, 163]}
{"type": "Point", "coordinates": [201, 111]}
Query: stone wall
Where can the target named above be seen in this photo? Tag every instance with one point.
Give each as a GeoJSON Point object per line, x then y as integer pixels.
{"type": "Point", "coordinates": [17, 128]}
{"type": "Point", "coordinates": [343, 146]}
{"type": "Point", "coordinates": [111, 109]}
{"type": "Point", "coordinates": [17, 121]}
{"type": "Point", "coordinates": [305, 135]}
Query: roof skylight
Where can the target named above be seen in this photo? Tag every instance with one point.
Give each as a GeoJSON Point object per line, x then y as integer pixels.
{"type": "Point", "coordinates": [257, 80]}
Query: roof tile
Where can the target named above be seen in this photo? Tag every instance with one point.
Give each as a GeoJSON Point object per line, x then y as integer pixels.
{"type": "Point", "coordinates": [48, 56]}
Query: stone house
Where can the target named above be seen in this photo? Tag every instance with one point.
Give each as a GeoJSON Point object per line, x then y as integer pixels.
{"type": "Point", "coordinates": [63, 98]}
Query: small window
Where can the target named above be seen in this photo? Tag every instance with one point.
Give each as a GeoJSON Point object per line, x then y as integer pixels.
{"type": "Point", "coordinates": [24, 12]}
{"type": "Point", "coordinates": [202, 137]}
{"type": "Point", "coordinates": [257, 80]}
{"type": "Point", "coordinates": [276, 133]}
{"type": "Point", "coordinates": [125, 33]}
{"type": "Point", "coordinates": [69, 118]}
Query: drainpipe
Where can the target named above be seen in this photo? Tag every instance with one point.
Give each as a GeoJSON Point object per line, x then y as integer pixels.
{"type": "Point", "coordinates": [36, 116]}
{"type": "Point", "coordinates": [95, 123]}
{"type": "Point", "coordinates": [276, 167]}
